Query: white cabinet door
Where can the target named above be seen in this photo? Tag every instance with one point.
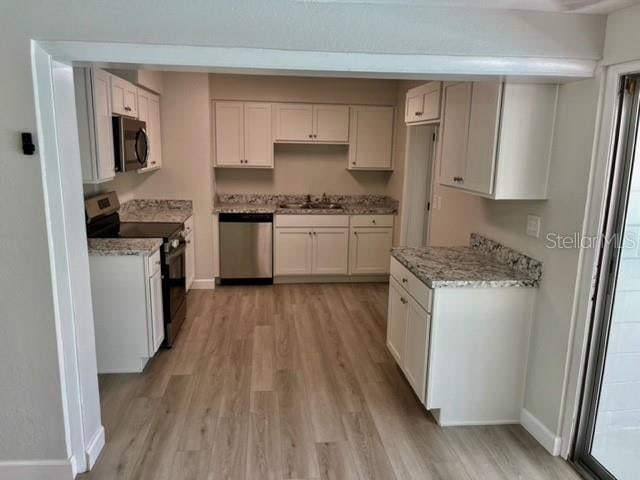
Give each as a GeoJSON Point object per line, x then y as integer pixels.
{"type": "Point", "coordinates": [396, 321]}
{"type": "Point", "coordinates": [124, 97]}
{"type": "Point", "coordinates": [190, 261]}
{"type": "Point", "coordinates": [154, 129]}
{"type": "Point", "coordinates": [157, 315]}
{"type": "Point", "coordinates": [416, 347]}
{"type": "Point", "coordinates": [414, 106]}
{"type": "Point", "coordinates": [258, 137]}
{"type": "Point", "coordinates": [369, 250]}
{"type": "Point", "coordinates": [371, 141]}
{"type": "Point", "coordinates": [483, 137]}
{"type": "Point", "coordinates": [149, 112]}
{"type": "Point", "coordinates": [293, 251]}
{"type": "Point", "coordinates": [229, 128]}
{"type": "Point", "coordinates": [330, 251]}
{"type": "Point", "coordinates": [103, 132]}
{"type": "Point", "coordinates": [455, 127]}
{"type": "Point", "coordinates": [294, 122]}
{"type": "Point", "coordinates": [331, 123]}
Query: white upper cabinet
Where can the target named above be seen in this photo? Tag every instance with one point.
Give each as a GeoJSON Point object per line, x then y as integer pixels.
{"type": "Point", "coordinates": [307, 123]}
{"type": "Point", "coordinates": [124, 97]}
{"type": "Point", "coordinates": [496, 138]}
{"type": "Point", "coordinates": [294, 122]}
{"type": "Point", "coordinates": [229, 133]}
{"type": "Point", "coordinates": [149, 112]}
{"type": "Point", "coordinates": [371, 139]}
{"type": "Point", "coordinates": [243, 135]}
{"type": "Point", "coordinates": [454, 131]}
{"type": "Point", "coordinates": [258, 136]}
{"type": "Point", "coordinates": [331, 123]}
{"type": "Point", "coordinates": [93, 107]}
{"type": "Point", "coordinates": [422, 104]}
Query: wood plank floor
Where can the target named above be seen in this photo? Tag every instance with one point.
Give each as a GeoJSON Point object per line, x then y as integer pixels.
{"type": "Point", "coordinates": [293, 382]}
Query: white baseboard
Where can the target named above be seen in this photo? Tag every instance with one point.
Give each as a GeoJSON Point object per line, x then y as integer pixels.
{"type": "Point", "coordinates": [288, 279]}
{"type": "Point", "coordinates": [540, 432]}
{"type": "Point", "coordinates": [36, 470]}
{"type": "Point", "coordinates": [95, 447]}
{"type": "Point", "coordinates": [204, 284]}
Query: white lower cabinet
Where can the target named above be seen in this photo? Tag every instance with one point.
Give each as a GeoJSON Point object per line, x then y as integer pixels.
{"type": "Point", "coordinates": [155, 289]}
{"type": "Point", "coordinates": [128, 313]}
{"type": "Point", "coordinates": [408, 326]}
{"type": "Point", "coordinates": [369, 250]}
{"type": "Point", "coordinates": [332, 244]}
{"type": "Point", "coordinates": [330, 251]}
{"type": "Point", "coordinates": [293, 251]}
{"type": "Point", "coordinates": [396, 321]}
{"type": "Point", "coordinates": [311, 245]}
{"type": "Point", "coordinates": [416, 349]}
{"type": "Point", "coordinates": [463, 350]}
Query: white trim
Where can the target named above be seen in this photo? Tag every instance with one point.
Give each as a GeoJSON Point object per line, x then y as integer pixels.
{"type": "Point", "coordinates": [204, 284]}
{"type": "Point", "coordinates": [594, 211]}
{"type": "Point", "coordinates": [275, 61]}
{"type": "Point", "coordinates": [36, 470]}
{"type": "Point", "coordinates": [540, 432]}
{"type": "Point", "coordinates": [471, 423]}
{"type": "Point", "coordinates": [94, 447]}
{"type": "Point", "coordinates": [291, 279]}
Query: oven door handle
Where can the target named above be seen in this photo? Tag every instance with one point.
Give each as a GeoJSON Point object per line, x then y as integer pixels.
{"type": "Point", "coordinates": [177, 252]}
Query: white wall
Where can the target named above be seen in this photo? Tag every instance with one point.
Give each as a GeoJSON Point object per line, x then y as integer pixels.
{"type": "Point", "coordinates": [31, 423]}
{"type": "Point", "coordinates": [186, 158]}
{"type": "Point", "coordinates": [623, 36]}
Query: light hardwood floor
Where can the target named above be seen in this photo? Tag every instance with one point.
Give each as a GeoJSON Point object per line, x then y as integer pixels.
{"type": "Point", "coordinates": [293, 382]}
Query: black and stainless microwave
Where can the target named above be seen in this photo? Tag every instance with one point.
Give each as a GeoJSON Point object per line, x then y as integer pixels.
{"type": "Point", "coordinates": [131, 144]}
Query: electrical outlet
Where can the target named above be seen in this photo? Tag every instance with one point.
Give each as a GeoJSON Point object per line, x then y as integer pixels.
{"type": "Point", "coordinates": [533, 226]}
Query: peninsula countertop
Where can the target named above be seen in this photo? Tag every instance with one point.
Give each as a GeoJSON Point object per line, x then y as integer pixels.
{"type": "Point", "coordinates": [484, 264]}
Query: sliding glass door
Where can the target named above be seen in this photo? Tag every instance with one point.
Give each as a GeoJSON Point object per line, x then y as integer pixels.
{"type": "Point", "coordinates": [608, 442]}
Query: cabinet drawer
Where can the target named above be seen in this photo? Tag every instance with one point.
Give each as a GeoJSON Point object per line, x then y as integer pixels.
{"type": "Point", "coordinates": [154, 263]}
{"type": "Point", "coordinates": [372, 220]}
{"type": "Point", "coordinates": [188, 226]}
{"type": "Point", "coordinates": [412, 284]}
{"type": "Point", "coordinates": [312, 221]}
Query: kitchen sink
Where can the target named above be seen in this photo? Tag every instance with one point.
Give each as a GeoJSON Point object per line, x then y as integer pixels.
{"type": "Point", "coordinates": [311, 206]}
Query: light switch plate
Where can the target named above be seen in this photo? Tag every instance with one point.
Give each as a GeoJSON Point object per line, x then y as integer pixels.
{"type": "Point", "coordinates": [533, 226]}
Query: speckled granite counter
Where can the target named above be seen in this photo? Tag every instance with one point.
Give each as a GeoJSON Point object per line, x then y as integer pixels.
{"type": "Point", "coordinates": [352, 204]}
{"type": "Point", "coordinates": [172, 211]}
{"type": "Point", "coordinates": [124, 246]}
{"type": "Point", "coordinates": [485, 263]}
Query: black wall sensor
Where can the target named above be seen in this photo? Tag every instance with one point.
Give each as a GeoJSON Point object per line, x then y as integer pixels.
{"type": "Point", "coordinates": [28, 148]}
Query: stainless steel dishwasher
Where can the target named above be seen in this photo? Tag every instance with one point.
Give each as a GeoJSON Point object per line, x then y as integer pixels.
{"type": "Point", "coordinates": [246, 248]}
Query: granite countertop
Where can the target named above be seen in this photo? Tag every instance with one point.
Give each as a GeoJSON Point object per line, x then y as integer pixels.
{"type": "Point", "coordinates": [485, 263]}
{"type": "Point", "coordinates": [259, 203]}
{"type": "Point", "coordinates": [124, 246]}
{"type": "Point", "coordinates": [171, 211]}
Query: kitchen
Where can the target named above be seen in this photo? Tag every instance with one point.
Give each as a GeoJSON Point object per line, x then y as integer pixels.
{"type": "Point", "coordinates": [300, 181]}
